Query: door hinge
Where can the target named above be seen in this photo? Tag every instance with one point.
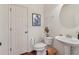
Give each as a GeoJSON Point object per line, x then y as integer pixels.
{"type": "Point", "coordinates": [10, 49]}
{"type": "Point", "coordinates": [10, 29]}
{"type": "Point", "coordinates": [10, 9]}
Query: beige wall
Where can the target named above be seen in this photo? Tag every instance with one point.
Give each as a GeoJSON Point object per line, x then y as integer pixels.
{"type": "Point", "coordinates": [4, 29]}
{"type": "Point", "coordinates": [34, 32]}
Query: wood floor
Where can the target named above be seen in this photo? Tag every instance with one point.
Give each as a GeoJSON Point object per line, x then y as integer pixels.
{"type": "Point", "coordinates": [50, 51]}
{"type": "Point", "coordinates": [34, 52]}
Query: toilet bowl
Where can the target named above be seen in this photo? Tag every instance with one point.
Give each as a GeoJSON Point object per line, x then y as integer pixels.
{"type": "Point", "coordinates": [40, 48]}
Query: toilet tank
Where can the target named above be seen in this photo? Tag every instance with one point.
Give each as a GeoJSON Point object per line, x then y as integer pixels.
{"type": "Point", "coordinates": [48, 40]}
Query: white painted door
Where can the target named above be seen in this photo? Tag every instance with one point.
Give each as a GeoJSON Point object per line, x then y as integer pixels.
{"type": "Point", "coordinates": [19, 29]}
{"type": "Point", "coordinates": [4, 29]}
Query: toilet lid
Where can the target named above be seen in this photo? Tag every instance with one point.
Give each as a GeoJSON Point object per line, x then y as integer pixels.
{"type": "Point", "coordinates": [40, 45]}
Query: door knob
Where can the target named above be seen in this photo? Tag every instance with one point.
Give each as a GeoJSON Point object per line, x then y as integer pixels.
{"type": "Point", "coordinates": [0, 43]}
{"type": "Point", "coordinates": [26, 32]}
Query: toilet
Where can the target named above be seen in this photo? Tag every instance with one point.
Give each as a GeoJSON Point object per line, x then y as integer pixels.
{"type": "Point", "coordinates": [42, 47]}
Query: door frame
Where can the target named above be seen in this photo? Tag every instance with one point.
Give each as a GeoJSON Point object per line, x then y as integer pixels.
{"type": "Point", "coordinates": [10, 28]}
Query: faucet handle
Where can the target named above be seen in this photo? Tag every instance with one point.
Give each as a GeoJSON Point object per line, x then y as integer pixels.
{"type": "Point", "coordinates": [69, 36]}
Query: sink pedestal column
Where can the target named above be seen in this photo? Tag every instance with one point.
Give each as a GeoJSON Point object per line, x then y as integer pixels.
{"type": "Point", "coordinates": [67, 49]}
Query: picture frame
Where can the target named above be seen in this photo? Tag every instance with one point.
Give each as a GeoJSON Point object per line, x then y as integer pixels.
{"type": "Point", "coordinates": [36, 19]}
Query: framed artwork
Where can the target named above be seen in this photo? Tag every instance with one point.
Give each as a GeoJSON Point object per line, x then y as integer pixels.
{"type": "Point", "coordinates": [36, 19]}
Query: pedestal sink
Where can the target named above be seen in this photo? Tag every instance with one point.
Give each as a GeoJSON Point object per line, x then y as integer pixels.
{"type": "Point", "coordinates": [68, 42]}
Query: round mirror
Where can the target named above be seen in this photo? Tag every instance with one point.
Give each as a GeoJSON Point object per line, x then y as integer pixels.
{"type": "Point", "coordinates": [69, 15]}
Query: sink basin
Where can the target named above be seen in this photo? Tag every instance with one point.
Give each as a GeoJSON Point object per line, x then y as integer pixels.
{"type": "Point", "coordinates": [69, 41]}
